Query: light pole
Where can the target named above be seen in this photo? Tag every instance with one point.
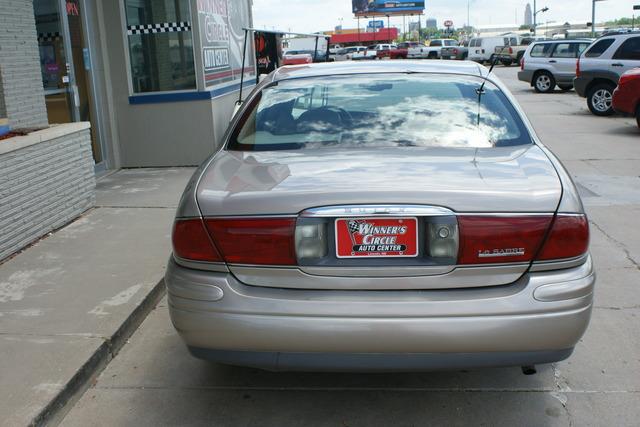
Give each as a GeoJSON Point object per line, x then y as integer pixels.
{"type": "Point", "coordinates": [593, 17]}
{"type": "Point", "coordinates": [535, 16]}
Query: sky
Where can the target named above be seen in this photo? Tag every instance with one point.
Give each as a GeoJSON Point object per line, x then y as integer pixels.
{"type": "Point", "coordinates": [308, 16]}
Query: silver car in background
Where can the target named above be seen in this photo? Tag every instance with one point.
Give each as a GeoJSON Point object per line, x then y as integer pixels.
{"type": "Point", "coordinates": [549, 63]}
{"type": "Point", "coordinates": [396, 215]}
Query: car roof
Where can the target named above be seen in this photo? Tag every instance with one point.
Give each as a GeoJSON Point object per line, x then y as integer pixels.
{"type": "Point", "coordinates": [561, 41]}
{"type": "Point", "coordinates": [407, 66]}
{"type": "Point", "coordinates": [617, 36]}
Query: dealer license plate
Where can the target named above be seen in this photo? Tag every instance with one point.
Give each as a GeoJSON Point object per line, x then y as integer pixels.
{"type": "Point", "coordinates": [376, 237]}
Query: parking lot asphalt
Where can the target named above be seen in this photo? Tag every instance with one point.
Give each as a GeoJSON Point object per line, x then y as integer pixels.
{"type": "Point", "coordinates": [154, 381]}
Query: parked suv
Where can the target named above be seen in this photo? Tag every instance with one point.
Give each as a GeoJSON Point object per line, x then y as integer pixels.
{"type": "Point", "coordinates": [599, 69]}
{"type": "Point", "coordinates": [547, 64]}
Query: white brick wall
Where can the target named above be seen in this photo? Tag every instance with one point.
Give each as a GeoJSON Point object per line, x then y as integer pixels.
{"type": "Point", "coordinates": [20, 65]}
{"type": "Point", "coordinates": [43, 187]}
{"type": "Point", "coordinates": [3, 110]}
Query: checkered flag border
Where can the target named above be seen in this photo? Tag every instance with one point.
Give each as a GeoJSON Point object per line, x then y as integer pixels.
{"type": "Point", "coordinates": [48, 37]}
{"type": "Point", "coordinates": [163, 27]}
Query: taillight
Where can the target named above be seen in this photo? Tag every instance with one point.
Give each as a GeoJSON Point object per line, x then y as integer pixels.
{"type": "Point", "coordinates": [629, 76]}
{"type": "Point", "coordinates": [578, 68]}
{"type": "Point", "coordinates": [568, 238]}
{"type": "Point", "coordinates": [522, 63]}
{"type": "Point", "coordinates": [191, 241]}
{"type": "Point", "coordinates": [455, 51]}
{"type": "Point", "coordinates": [500, 239]}
{"type": "Point", "coordinates": [261, 241]}
{"type": "Point", "coordinates": [510, 51]}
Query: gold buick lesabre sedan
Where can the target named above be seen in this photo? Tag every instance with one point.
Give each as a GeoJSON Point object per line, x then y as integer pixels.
{"type": "Point", "coordinates": [394, 215]}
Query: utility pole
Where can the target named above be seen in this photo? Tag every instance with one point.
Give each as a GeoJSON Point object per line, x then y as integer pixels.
{"type": "Point", "coordinates": [534, 18]}
{"type": "Point", "coordinates": [593, 17]}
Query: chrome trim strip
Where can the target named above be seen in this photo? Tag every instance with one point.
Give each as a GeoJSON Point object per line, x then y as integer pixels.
{"type": "Point", "coordinates": [295, 278]}
{"type": "Point", "coordinates": [375, 210]}
{"type": "Point", "coordinates": [250, 216]}
{"type": "Point", "coordinates": [505, 214]}
{"type": "Point", "coordinates": [559, 264]}
{"type": "Point", "coordinates": [219, 267]}
{"type": "Point", "coordinates": [386, 271]}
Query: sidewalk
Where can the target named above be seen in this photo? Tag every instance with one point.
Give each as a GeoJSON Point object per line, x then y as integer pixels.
{"type": "Point", "coordinates": [69, 301]}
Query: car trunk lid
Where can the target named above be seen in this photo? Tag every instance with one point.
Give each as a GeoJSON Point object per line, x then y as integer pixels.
{"type": "Point", "coordinates": [500, 179]}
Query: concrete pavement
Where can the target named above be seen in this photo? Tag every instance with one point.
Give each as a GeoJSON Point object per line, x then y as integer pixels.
{"type": "Point", "coordinates": [154, 381]}
{"type": "Point", "coordinates": [65, 301]}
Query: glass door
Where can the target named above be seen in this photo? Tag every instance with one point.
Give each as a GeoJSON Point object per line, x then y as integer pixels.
{"type": "Point", "coordinates": [66, 66]}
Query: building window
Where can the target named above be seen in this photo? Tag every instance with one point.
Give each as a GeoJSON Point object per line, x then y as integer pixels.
{"type": "Point", "coordinates": [160, 45]}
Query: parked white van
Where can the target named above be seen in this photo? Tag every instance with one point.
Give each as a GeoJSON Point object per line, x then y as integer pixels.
{"type": "Point", "coordinates": [482, 49]}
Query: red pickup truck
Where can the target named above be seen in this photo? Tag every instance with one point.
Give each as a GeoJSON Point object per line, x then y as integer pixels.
{"type": "Point", "coordinates": [399, 51]}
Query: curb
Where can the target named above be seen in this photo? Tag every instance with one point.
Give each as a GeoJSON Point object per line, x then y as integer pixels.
{"type": "Point", "coordinates": [59, 406]}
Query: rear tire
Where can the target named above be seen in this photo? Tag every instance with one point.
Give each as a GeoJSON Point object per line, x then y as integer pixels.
{"type": "Point", "coordinates": [543, 82]}
{"type": "Point", "coordinates": [565, 88]}
{"type": "Point", "coordinates": [600, 99]}
{"type": "Point", "coordinates": [507, 63]}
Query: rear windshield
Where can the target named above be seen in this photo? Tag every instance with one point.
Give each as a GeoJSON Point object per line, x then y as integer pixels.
{"type": "Point", "coordinates": [379, 110]}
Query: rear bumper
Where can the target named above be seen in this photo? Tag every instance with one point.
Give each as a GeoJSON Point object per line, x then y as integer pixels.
{"type": "Point", "coordinates": [367, 362]}
{"type": "Point", "coordinates": [526, 76]}
{"type": "Point", "coordinates": [505, 57]}
{"type": "Point", "coordinates": [623, 104]}
{"type": "Point", "coordinates": [580, 85]}
{"type": "Point", "coordinates": [538, 319]}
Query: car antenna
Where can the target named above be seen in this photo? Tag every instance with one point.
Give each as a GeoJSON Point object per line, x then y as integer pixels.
{"type": "Point", "coordinates": [480, 90]}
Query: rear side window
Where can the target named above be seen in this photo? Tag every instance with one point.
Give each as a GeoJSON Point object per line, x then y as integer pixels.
{"type": "Point", "coordinates": [383, 110]}
{"type": "Point", "coordinates": [435, 43]}
{"type": "Point", "coordinates": [540, 50]}
{"type": "Point", "coordinates": [599, 48]}
{"type": "Point", "coordinates": [473, 43]}
{"type": "Point", "coordinates": [565, 50]}
{"type": "Point", "coordinates": [630, 49]}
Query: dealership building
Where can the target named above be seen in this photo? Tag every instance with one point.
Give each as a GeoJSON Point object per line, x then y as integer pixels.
{"type": "Point", "coordinates": [88, 86]}
{"type": "Point", "coordinates": [155, 79]}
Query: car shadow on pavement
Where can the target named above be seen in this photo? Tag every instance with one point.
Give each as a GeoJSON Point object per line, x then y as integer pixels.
{"type": "Point", "coordinates": [155, 381]}
{"type": "Point", "coordinates": [500, 396]}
